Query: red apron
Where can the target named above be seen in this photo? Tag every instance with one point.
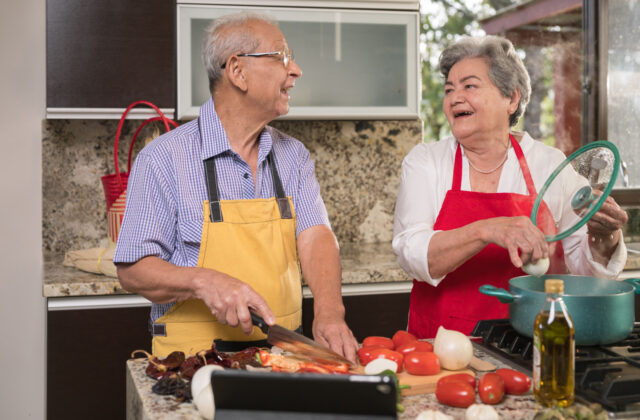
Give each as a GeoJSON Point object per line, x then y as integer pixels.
{"type": "Point", "coordinates": [456, 302]}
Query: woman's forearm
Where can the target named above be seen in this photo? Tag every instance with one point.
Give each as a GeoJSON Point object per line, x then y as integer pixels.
{"type": "Point", "coordinates": [450, 249]}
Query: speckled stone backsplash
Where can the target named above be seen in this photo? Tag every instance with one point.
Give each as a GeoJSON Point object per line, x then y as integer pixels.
{"type": "Point", "coordinates": [357, 166]}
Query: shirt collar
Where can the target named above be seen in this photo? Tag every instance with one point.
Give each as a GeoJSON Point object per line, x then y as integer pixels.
{"type": "Point", "coordinates": [214, 138]}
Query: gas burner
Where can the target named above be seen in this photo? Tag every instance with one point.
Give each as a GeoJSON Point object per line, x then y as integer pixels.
{"type": "Point", "coordinates": [607, 374]}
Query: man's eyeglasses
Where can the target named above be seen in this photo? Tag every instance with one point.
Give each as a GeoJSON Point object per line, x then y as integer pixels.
{"type": "Point", "coordinates": [287, 56]}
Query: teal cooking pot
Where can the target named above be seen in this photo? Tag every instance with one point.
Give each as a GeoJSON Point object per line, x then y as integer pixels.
{"type": "Point", "coordinates": [603, 311]}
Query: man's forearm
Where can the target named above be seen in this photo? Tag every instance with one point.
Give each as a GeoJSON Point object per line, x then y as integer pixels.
{"type": "Point", "coordinates": [157, 280]}
{"type": "Point", "coordinates": [320, 260]}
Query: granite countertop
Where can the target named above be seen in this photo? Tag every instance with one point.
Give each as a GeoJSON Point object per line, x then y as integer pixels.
{"type": "Point", "coordinates": [142, 403]}
{"type": "Point", "coordinates": [361, 264]}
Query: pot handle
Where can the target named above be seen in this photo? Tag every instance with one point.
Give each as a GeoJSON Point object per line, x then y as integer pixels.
{"type": "Point", "coordinates": [502, 295]}
{"type": "Point", "coordinates": [635, 283]}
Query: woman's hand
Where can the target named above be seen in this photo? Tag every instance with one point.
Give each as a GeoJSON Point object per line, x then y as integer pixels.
{"type": "Point", "coordinates": [604, 229]}
{"type": "Point", "coordinates": [524, 241]}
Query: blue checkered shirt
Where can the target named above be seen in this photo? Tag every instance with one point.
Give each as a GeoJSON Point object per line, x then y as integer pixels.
{"type": "Point", "coordinates": [167, 186]}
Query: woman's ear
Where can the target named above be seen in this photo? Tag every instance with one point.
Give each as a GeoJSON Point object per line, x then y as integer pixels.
{"type": "Point", "coordinates": [514, 101]}
{"type": "Point", "coordinates": [236, 73]}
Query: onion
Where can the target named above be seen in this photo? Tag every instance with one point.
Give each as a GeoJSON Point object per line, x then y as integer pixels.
{"type": "Point", "coordinates": [202, 392]}
{"type": "Point", "coordinates": [481, 412]}
{"type": "Point", "coordinates": [453, 348]}
{"type": "Point", "coordinates": [433, 415]}
{"type": "Point", "coordinates": [377, 366]}
{"type": "Point", "coordinates": [537, 268]}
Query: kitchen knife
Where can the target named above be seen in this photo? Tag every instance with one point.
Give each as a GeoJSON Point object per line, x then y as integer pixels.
{"type": "Point", "coordinates": [297, 343]}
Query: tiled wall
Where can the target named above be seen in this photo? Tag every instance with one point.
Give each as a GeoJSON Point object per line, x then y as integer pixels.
{"type": "Point", "coordinates": [357, 166]}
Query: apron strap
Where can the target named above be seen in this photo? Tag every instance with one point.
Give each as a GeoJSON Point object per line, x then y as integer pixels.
{"type": "Point", "coordinates": [281, 198]}
{"type": "Point", "coordinates": [214, 193]}
{"type": "Point", "coordinates": [523, 166]}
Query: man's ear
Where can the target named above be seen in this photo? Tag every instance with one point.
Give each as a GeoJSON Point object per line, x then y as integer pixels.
{"type": "Point", "coordinates": [236, 73]}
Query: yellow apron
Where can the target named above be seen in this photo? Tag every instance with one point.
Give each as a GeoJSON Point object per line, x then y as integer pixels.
{"type": "Point", "coordinates": [251, 240]}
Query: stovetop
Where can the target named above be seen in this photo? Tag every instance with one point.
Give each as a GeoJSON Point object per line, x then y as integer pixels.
{"type": "Point", "coordinates": [606, 374]}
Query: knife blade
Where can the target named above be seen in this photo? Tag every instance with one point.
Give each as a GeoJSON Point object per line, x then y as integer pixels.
{"type": "Point", "coordinates": [297, 343]}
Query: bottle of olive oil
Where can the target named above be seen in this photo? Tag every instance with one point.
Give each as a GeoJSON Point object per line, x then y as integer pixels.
{"type": "Point", "coordinates": [553, 350]}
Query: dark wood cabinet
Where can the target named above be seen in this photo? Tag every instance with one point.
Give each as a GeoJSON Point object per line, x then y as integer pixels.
{"type": "Point", "coordinates": [87, 352]}
{"type": "Point", "coordinates": [107, 54]}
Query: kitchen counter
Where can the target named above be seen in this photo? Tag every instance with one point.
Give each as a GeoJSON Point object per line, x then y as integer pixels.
{"type": "Point", "coordinates": [143, 404]}
{"type": "Point", "coordinates": [361, 264]}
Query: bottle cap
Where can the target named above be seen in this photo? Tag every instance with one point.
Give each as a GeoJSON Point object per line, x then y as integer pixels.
{"type": "Point", "coordinates": [554, 286]}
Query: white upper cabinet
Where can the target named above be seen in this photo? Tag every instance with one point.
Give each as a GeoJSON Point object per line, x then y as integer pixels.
{"type": "Point", "coordinates": [357, 63]}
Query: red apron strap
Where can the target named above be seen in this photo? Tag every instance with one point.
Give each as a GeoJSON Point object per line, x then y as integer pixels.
{"type": "Point", "coordinates": [457, 170]}
{"type": "Point", "coordinates": [523, 166]}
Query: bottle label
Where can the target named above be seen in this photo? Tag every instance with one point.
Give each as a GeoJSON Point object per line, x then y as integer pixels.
{"type": "Point", "coordinates": [536, 362]}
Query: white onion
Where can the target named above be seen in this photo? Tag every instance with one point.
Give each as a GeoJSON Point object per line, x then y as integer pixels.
{"type": "Point", "coordinates": [537, 268]}
{"type": "Point", "coordinates": [377, 366]}
{"type": "Point", "coordinates": [453, 348]}
{"type": "Point", "coordinates": [201, 390]}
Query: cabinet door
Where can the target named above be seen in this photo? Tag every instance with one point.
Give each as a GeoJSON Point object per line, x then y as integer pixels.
{"type": "Point", "coordinates": [355, 64]}
{"type": "Point", "coordinates": [107, 54]}
{"type": "Point", "coordinates": [86, 354]}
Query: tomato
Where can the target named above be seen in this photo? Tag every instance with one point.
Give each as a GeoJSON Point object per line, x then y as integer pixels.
{"type": "Point", "coordinates": [364, 354]}
{"type": "Point", "coordinates": [456, 394]}
{"type": "Point", "coordinates": [422, 363]}
{"type": "Point", "coordinates": [491, 388]}
{"type": "Point", "coordinates": [402, 337]}
{"type": "Point", "coordinates": [414, 346]}
{"type": "Point", "coordinates": [384, 353]}
{"type": "Point", "coordinates": [463, 377]}
{"type": "Point", "coordinates": [375, 341]}
{"type": "Point", "coordinates": [515, 382]}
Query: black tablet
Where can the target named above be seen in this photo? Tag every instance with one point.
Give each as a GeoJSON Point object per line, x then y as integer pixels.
{"type": "Point", "coordinates": [241, 394]}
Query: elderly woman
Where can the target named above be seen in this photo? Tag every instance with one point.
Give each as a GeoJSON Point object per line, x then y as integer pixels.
{"type": "Point", "coordinates": [462, 214]}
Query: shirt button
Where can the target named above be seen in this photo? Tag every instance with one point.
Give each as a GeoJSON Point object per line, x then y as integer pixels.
{"type": "Point", "coordinates": [246, 175]}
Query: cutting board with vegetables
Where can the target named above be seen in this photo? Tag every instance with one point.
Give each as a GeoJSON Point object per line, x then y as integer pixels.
{"type": "Point", "coordinates": [425, 384]}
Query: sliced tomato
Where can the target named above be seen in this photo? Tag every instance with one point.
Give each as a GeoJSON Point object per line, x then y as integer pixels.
{"type": "Point", "coordinates": [457, 377]}
{"type": "Point", "coordinates": [515, 382]}
{"type": "Point", "coordinates": [402, 337]}
{"type": "Point", "coordinates": [376, 341]}
{"type": "Point", "coordinates": [456, 394]}
{"type": "Point", "coordinates": [491, 388]}
{"type": "Point", "coordinates": [422, 363]}
{"type": "Point", "coordinates": [364, 354]}
{"type": "Point", "coordinates": [387, 354]}
{"type": "Point", "coordinates": [415, 345]}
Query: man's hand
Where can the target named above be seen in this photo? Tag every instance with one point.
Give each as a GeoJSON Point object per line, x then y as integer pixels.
{"type": "Point", "coordinates": [332, 331]}
{"type": "Point", "coordinates": [230, 299]}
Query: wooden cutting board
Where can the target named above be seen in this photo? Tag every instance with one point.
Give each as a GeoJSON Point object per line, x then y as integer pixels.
{"type": "Point", "coordinates": [425, 384]}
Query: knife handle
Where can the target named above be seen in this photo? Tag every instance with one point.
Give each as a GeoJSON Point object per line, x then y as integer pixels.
{"type": "Point", "coordinates": [259, 322]}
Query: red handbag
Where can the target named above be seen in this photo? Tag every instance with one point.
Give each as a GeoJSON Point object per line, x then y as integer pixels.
{"type": "Point", "coordinates": [115, 185]}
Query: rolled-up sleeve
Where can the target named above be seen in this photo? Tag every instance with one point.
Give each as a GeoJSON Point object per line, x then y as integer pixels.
{"type": "Point", "coordinates": [310, 208]}
{"type": "Point", "coordinates": [415, 216]}
{"type": "Point", "coordinates": [149, 223]}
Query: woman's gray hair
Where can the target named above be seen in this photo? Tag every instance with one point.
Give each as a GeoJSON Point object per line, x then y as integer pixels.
{"type": "Point", "coordinates": [225, 36]}
{"type": "Point", "coordinates": [506, 69]}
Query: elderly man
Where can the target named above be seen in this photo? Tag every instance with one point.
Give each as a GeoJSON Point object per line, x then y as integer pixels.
{"type": "Point", "coordinates": [223, 211]}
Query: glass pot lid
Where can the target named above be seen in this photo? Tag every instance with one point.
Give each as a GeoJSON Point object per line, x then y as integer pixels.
{"type": "Point", "coordinates": [594, 169]}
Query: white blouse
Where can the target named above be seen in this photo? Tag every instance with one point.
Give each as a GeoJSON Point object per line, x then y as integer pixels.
{"type": "Point", "coordinates": [427, 175]}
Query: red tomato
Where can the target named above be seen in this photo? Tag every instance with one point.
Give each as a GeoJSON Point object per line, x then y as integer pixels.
{"type": "Point", "coordinates": [414, 346]}
{"type": "Point", "coordinates": [459, 377]}
{"type": "Point", "coordinates": [456, 394]}
{"type": "Point", "coordinates": [388, 354]}
{"type": "Point", "coordinates": [375, 341]}
{"type": "Point", "coordinates": [515, 382]}
{"type": "Point", "coordinates": [364, 354]}
{"type": "Point", "coordinates": [491, 388]}
{"type": "Point", "coordinates": [402, 337]}
{"type": "Point", "coordinates": [422, 363]}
